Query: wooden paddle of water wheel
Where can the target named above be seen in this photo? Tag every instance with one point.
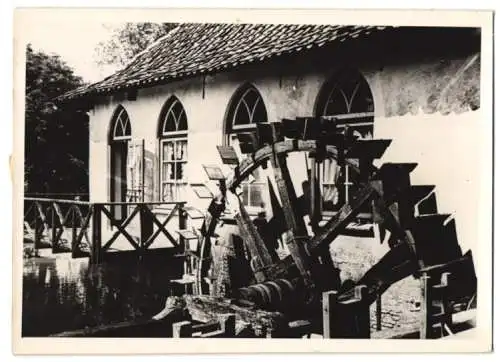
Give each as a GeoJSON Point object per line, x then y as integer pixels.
{"type": "Point", "coordinates": [304, 285]}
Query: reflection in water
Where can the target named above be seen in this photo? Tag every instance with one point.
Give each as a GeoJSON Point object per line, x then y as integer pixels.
{"type": "Point", "coordinates": [61, 294]}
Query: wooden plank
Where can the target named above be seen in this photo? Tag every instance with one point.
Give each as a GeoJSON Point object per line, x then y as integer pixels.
{"type": "Point", "coordinates": [379, 311]}
{"type": "Point", "coordinates": [269, 133]}
{"type": "Point", "coordinates": [395, 179]}
{"type": "Point", "coordinates": [161, 227]}
{"type": "Point", "coordinates": [215, 209]}
{"type": "Point", "coordinates": [62, 221]}
{"type": "Point", "coordinates": [346, 214]}
{"type": "Point", "coordinates": [228, 324]}
{"type": "Point", "coordinates": [95, 256]}
{"type": "Point", "coordinates": [228, 155]}
{"type": "Point", "coordinates": [297, 234]}
{"type": "Point", "coordinates": [428, 205]}
{"type": "Point", "coordinates": [208, 309]}
{"type": "Point", "coordinates": [83, 222]}
{"type": "Point", "coordinates": [182, 329]}
{"type": "Point", "coordinates": [120, 227]}
{"type": "Point", "coordinates": [260, 257]}
{"type": "Point", "coordinates": [425, 306]}
{"type": "Point", "coordinates": [84, 225]}
{"type": "Point", "coordinates": [74, 234]}
{"type": "Point", "coordinates": [368, 149]}
{"type": "Point", "coordinates": [329, 310]}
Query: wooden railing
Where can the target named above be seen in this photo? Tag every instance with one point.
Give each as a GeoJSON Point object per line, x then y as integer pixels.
{"type": "Point", "coordinates": [90, 228]}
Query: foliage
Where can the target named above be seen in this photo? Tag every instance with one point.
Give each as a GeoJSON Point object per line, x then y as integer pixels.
{"type": "Point", "coordinates": [56, 139]}
{"type": "Point", "coordinates": [129, 40]}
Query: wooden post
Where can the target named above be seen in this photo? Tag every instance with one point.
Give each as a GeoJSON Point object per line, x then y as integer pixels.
{"type": "Point", "coordinates": [96, 234]}
{"type": "Point", "coordinates": [329, 306]}
{"type": "Point", "coordinates": [315, 201]}
{"type": "Point", "coordinates": [54, 229]}
{"type": "Point", "coordinates": [425, 306]}
{"type": "Point", "coordinates": [439, 295]}
{"type": "Point", "coordinates": [74, 235]}
{"type": "Point", "coordinates": [183, 243]}
{"type": "Point", "coordinates": [448, 319]}
{"type": "Point", "coordinates": [182, 329]}
{"type": "Point", "coordinates": [228, 324]}
{"type": "Point", "coordinates": [37, 232]}
{"type": "Point", "coordinates": [362, 312]}
{"type": "Point", "coordinates": [379, 311]}
{"type": "Point", "coordinates": [182, 226]}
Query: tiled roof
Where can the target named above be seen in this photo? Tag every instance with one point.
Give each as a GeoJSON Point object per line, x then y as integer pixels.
{"type": "Point", "coordinates": [193, 49]}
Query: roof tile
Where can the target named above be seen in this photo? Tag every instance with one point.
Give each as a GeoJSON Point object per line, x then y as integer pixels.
{"type": "Point", "coordinates": [192, 49]}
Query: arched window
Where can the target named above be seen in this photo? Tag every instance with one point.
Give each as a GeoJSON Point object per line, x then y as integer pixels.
{"type": "Point", "coordinates": [172, 133]}
{"type": "Point", "coordinates": [247, 108]}
{"type": "Point", "coordinates": [348, 99]}
{"type": "Point", "coordinates": [120, 135]}
{"type": "Point", "coordinates": [120, 125]}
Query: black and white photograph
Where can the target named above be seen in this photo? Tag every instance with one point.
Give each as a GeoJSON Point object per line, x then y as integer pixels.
{"type": "Point", "coordinates": [244, 178]}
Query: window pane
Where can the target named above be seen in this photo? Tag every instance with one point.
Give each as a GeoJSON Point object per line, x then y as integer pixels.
{"type": "Point", "coordinates": [260, 113]}
{"type": "Point", "coordinates": [127, 130]}
{"type": "Point", "coordinates": [169, 125]}
{"type": "Point", "coordinates": [182, 121]}
{"type": "Point", "coordinates": [244, 195]}
{"type": "Point", "coordinates": [336, 104]}
{"type": "Point", "coordinates": [180, 171]}
{"type": "Point", "coordinates": [362, 101]}
{"type": "Point", "coordinates": [169, 173]}
{"type": "Point", "coordinates": [330, 197]}
{"type": "Point", "coordinates": [168, 151]}
{"type": "Point", "coordinates": [181, 150]}
{"type": "Point", "coordinates": [242, 116]}
{"type": "Point", "coordinates": [167, 193]}
{"type": "Point", "coordinates": [251, 98]}
{"type": "Point", "coordinates": [329, 171]}
{"type": "Point", "coordinates": [256, 191]}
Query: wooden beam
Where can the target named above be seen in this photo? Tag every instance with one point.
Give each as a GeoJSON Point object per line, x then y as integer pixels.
{"type": "Point", "coordinates": [329, 304]}
{"type": "Point", "coordinates": [96, 235]}
{"type": "Point", "coordinates": [336, 224]}
{"type": "Point", "coordinates": [297, 235]}
{"type": "Point", "coordinates": [258, 250]}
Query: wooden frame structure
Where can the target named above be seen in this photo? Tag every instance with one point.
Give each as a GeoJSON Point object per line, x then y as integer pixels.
{"type": "Point", "coordinates": [46, 221]}
{"type": "Point", "coordinates": [420, 237]}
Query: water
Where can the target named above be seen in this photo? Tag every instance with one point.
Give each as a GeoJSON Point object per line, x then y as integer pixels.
{"type": "Point", "coordinates": [62, 294]}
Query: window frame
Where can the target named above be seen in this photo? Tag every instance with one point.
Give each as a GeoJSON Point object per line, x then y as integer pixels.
{"type": "Point", "coordinates": [174, 138]}
{"type": "Point", "coordinates": [337, 82]}
{"type": "Point", "coordinates": [117, 119]}
{"type": "Point", "coordinates": [232, 130]}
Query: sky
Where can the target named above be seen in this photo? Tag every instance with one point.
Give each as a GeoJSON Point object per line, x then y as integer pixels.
{"type": "Point", "coordinates": [74, 41]}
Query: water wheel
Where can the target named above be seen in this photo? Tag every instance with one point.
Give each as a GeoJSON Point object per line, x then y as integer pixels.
{"type": "Point", "coordinates": [419, 235]}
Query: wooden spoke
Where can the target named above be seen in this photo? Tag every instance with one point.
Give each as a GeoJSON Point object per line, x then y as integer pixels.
{"type": "Point", "coordinates": [337, 223]}
{"type": "Point", "coordinates": [297, 233]}
{"type": "Point", "coordinates": [215, 209]}
{"type": "Point", "coordinates": [260, 255]}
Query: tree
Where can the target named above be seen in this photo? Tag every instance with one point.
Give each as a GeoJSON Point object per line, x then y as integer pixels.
{"type": "Point", "coordinates": [129, 40]}
{"type": "Point", "coordinates": [56, 139]}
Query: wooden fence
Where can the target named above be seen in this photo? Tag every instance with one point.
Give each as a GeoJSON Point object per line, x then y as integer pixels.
{"type": "Point", "coordinates": [77, 226]}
